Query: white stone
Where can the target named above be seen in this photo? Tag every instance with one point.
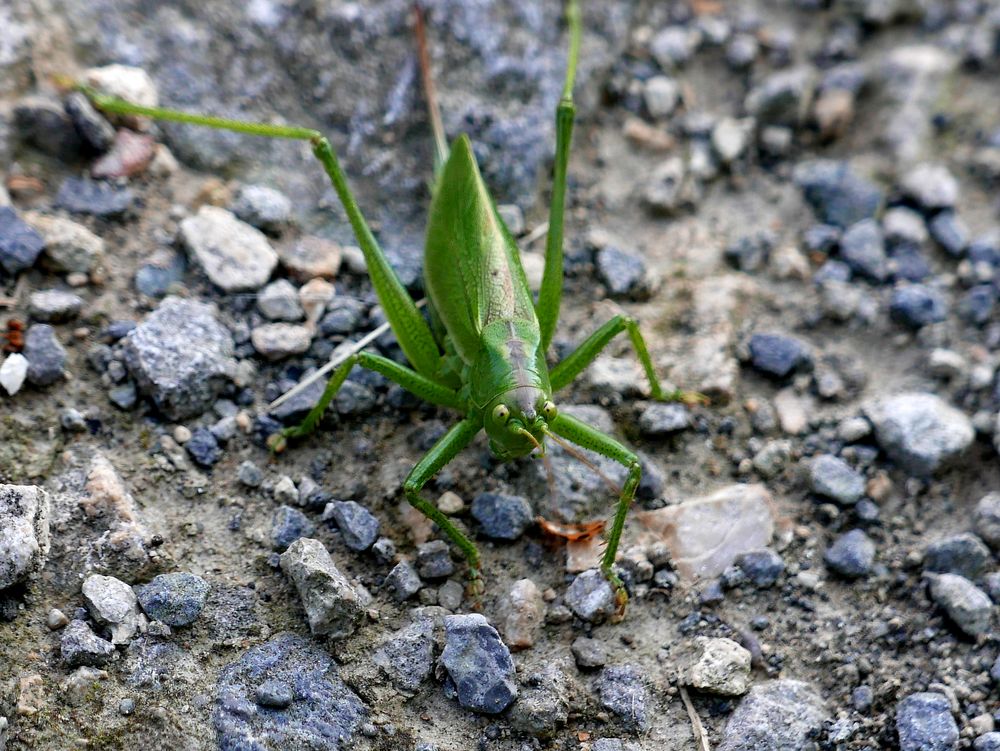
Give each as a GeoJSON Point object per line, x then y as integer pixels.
{"type": "Point", "coordinates": [69, 247]}
{"type": "Point", "coordinates": [234, 255]}
{"type": "Point", "coordinates": [24, 532]}
{"type": "Point", "coordinates": [719, 666]}
{"type": "Point", "coordinates": [126, 82]}
{"type": "Point", "coordinates": [13, 372]}
{"type": "Point", "coordinates": [275, 341]}
{"type": "Point", "coordinates": [112, 603]}
{"type": "Point", "coordinates": [661, 95]}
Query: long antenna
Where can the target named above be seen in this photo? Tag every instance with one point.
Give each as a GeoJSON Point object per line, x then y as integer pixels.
{"type": "Point", "coordinates": [430, 92]}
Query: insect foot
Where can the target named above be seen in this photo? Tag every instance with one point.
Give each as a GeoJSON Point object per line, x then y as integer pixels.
{"type": "Point", "coordinates": [476, 588]}
{"type": "Point", "coordinates": [691, 398]}
{"type": "Point", "coordinates": [621, 594]}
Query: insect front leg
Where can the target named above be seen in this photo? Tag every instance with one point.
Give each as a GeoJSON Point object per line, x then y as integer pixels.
{"type": "Point", "coordinates": [590, 438]}
{"type": "Point", "coordinates": [440, 454]}
{"type": "Point", "coordinates": [566, 371]}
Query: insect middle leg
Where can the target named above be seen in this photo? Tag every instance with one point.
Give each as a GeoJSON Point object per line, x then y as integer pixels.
{"type": "Point", "coordinates": [574, 363]}
{"type": "Point", "coordinates": [583, 435]}
{"type": "Point", "coordinates": [425, 388]}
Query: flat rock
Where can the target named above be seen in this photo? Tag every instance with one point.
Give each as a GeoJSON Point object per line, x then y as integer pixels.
{"type": "Point", "coordinates": [181, 357]}
{"type": "Point", "coordinates": [46, 356]}
{"type": "Point", "coordinates": [840, 196]}
{"type": "Point", "coordinates": [832, 477]}
{"type": "Point", "coordinates": [780, 715]}
{"type": "Point", "coordinates": [100, 199]}
{"type": "Point", "coordinates": [924, 723]}
{"type": "Point", "coordinates": [406, 656]}
{"type": "Point", "coordinates": [623, 692]}
{"type": "Point", "coordinates": [79, 645]}
{"type": "Point", "coordinates": [276, 341]}
{"type": "Point", "coordinates": [54, 305]}
{"type": "Point", "coordinates": [591, 597]}
{"type": "Point", "coordinates": [478, 663]}
{"type": "Point", "coordinates": [919, 431]}
{"type": "Point", "coordinates": [286, 693]}
{"type": "Point", "coordinates": [175, 599]}
{"type": "Point", "coordinates": [333, 607]}
{"type": "Point", "coordinates": [234, 255]}
{"type": "Point", "coordinates": [69, 247]}
{"type": "Point", "coordinates": [705, 535]}
{"type": "Point", "coordinates": [24, 532]}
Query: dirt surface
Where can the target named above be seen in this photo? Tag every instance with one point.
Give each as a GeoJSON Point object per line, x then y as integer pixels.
{"type": "Point", "coordinates": [342, 67]}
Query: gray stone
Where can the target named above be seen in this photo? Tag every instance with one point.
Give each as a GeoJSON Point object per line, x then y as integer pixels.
{"type": "Point", "coordinates": [543, 705]}
{"type": "Point", "coordinates": [661, 95]}
{"type": "Point", "coordinates": [623, 272]}
{"type": "Point", "coordinates": [92, 126]}
{"type": "Point", "coordinates": [276, 341]}
{"type": "Point", "coordinates": [839, 195]}
{"type": "Point", "coordinates": [113, 604]}
{"type": "Point", "coordinates": [950, 232]}
{"type": "Point", "coordinates": [69, 247]}
{"type": "Point", "coordinates": [234, 255]}
{"type": "Point", "coordinates": [987, 519]}
{"type": "Point", "coordinates": [659, 420]}
{"type": "Point", "coordinates": [591, 597]}
{"type": "Point", "coordinates": [851, 555]}
{"type": "Point", "coordinates": [249, 474]}
{"type": "Point", "coordinates": [434, 560]}
{"type": "Point", "coordinates": [287, 526]}
{"type": "Point", "coordinates": [175, 599]}
{"type": "Point", "coordinates": [44, 124]}
{"type": "Point", "coordinates": [965, 603]}
{"type": "Point", "coordinates": [673, 46]}
{"type": "Point", "coordinates": [407, 656]}
{"type": "Point", "coordinates": [24, 532]}
{"type": "Point", "coordinates": [279, 301]}
{"type": "Point", "coordinates": [45, 355]}
{"type": "Point", "coordinates": [203, 447]}
{"type": "Point", "coordinates": [862, 247]}
{"type": "Point", "coordinates": [501, 517]}
{"type": "Point", "coordinates": [987, 742]}
{"type": "Point", "coordinates": [903, 226]}
{"type": "Point", "coordinates": [931, 186]}
{"type": "Point", "coordinates": [783, 97]}
{"type": "Point", "coordinates": [478, 663]}
{"type": "Point", "coordinates": [79, 645]}
{"type": "Point", "coordinates": [924, 723]}
{"type": "Point", "coordinates": [403, 580]}
{"type": "Point", "coordinates": [730, 138]}
{"type": "Point", "coordinates": [919, 431]}
{"type": "Point", "coordinates": [20, 244]}
{"type": "Point", "coordinates": [99, 199]}
{"type": "Point", "coordinates": [589, 653]}
{"type": "Point", "coordinates": [777, 355]}
{"type": "Point", "coordinates": [54, 305]}
{"type": "Point", "coordinates": [715, 665]}
{"type": "Point", "coordinates": [780, 715]}
{"type": "Point", "coordinates": [761, 567]}
{"type": "Point", "coordinates": [963, 554]}
{"type": "Point", "coordinates": [450, 596]}
{"type": "Point", "coordinates": [917, 305]}
{"type": "Point", "coordinates": [333, 607]}
{"type": "Point", "coordinates": [832, 477]}
{"type": "Point", "coordinates": [623, 693]}
{"type": "Point", "coordinates": [181, 357]}
{"type": "Point", "coordinates": [358, 526]}
{"type": "Point", "coordinates": [322, 713]}
{"type": "Point", "coordinates": [263, 207]}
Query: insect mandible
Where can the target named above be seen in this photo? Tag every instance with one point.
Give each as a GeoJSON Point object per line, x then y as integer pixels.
{"type": "Point", "coordinates": [483, 355]}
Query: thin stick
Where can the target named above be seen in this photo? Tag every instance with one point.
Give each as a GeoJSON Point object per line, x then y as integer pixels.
{"type": "Point", "coordinates": [430, 92]}
{"type": "Point", "coordinates": [572, 451]}
{"type": "Point", "coordinates": [696, 727]}
{"type": "Point", "coordinates": [536, 234]}
{"type": "Point", "coordinates": [336, 359]}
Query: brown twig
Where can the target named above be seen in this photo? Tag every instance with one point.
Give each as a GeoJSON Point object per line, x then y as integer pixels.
{"type": "Point", "coordinates": [697, 729]}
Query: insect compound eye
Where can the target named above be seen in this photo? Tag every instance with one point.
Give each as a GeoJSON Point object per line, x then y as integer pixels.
{"type": "Point", "coordinates": [501, 414]}
{"type": "Point", "coordinates": [549, 410]}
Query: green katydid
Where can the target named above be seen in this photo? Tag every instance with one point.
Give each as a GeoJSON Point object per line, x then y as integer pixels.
{"type": "Point", "coordinates": [483, 354]}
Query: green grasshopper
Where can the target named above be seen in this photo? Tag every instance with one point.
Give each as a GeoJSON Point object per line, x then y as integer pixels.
{"type": "Point", "coordinates": [483, 353]}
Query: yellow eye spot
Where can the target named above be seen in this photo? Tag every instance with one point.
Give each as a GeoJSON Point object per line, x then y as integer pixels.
{"type": "Point", "coordinates": [549, 410]}
{"type": "Point", "coordinates": [500, 413]}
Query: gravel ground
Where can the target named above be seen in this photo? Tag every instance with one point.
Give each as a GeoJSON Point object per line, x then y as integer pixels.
{"type": "Point", "coordinates": [796, 200]}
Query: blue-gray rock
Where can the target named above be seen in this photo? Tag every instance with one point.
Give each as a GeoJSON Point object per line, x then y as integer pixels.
{"type": "Point", "coordinates": [924, 723]}
{"type": "Point", "coordinates": [614, 744]}
{"type": "Point", "coordinates": [821, 238]}
{"type": "Point", "coordinates": [902, 226]}
{"type": "Point", "coordinates": [176, 599]}
{"type": "Point", "coordinates": [249, 474]}
{"type": "Point", "coordinates": [46, 356]}
{"type": "Point", "coordinates": [155, 277]}
{"type": "Point", "coordinates": [851, 555]}
{"type": "Point", "coordinates": [762, 567]}
{"type": "Point", "coordinates": [985, 249]}
{"type": "Point", "coordinates": [91, 125]}
{"type": "Point", "coordinates": [501, 517]}
{"type": "Point", "coordinates": [995, 670]}
{"type": "Point", "coordinates": [963, 554]}
{"type": "Point", "coordinates": [288, 525]}
{"type": "Point", "coordinates": [591, 597]}
{"type": "Point", "coordinates": [862, 698]}
{"type": "Point", "coordinates": [204, 447]}
{"type": "Point", "coordinates": [919, 431]}
{"type": "Point", "coordinates": [181, 357]}
{"type": "Point", "coordinates": [407, 656]}
{"type": "Point", "coordinates": [404, 581]}
{"type": "Point", "coordinates": [987, 519]}
{"type": "Point", "coordinates": [976, 305]}
{"type": "Point", "coordinates": [82, 196]}
{"type": "Point", "coordinates": [434, 560]}
{"type": "Point", "coordinates": [987, 742]}
{"type": "Point", "coordinates": [917, 305]}
{"type": "Point", "coordinates": [991, 584]}
{"type": "Point", "coordinates": [623, 693]}
{"type": "Point", "coordinates": [478, 663]}
{"type": "Point", "coordinates": [621, 271]}
{"type": "Point", "coordinates": [782, 715]}
{"type": "Point", "coordinates": [777, 355]}
{"type": "Point", "coordinates": [79, 645]}
{"type": "Point", "coordinates": [543, 705]}
{"type": "Point", "coordinates": [358, 526]}
{"type": "Point", "coordinates": [263, 207]}
{"type": "Point", "coordinates": [908, 263]}
{"type": "Point", "coordinates": [354, 399]}
{"type": "Point", "coordinates": [966, 604]}
{"type": "Point", "coordinates": [838, 195]}
{"type": "Point", "coordinates": [323, 714]}
{"type": "Point", "coordinates": [950, 232]}
{"type": "Point", "coordinates": [589, 653]}
{"type": "Point", "coordinates": [832, 477]}
{"type": "Point", "coordinates": [20, 243]}
{"type": "Point", "coordinates": [751, 252]}
{"type": "Point", "coordinates": [125, 396]}
{"type": "Point", "coordinates": [343, 316]}
{"type": "Point", "coordinates": [44, 124]}
{"type": "Point", "coordinates": [659, 419]}
{"type": "Point", "coordinates": [741, 51]}
{"type": "Point", "coordinates": [782, 98]}
{"type": "Point", "coordinates": [862, 247]}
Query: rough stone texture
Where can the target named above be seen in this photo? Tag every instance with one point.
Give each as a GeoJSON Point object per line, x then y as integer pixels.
{"type": "Point", "coordinates": [174, 599]}
{"type": "Point", "coordinates": [234, 255]}
{"type": "Point", "coordinates": [522, 611]}
{"type": "Point", "coordinates": [706, 534]}
{"type": "Point", "coordinates": [20, 245]}
{"type": "Point", "coordinates": [24, 532]}
{"type": "Point", "coordinates": [113, 604]}
{"type": "Point", "coordinates": [851, 555]}
{"type": "Point", "coordinates": [778, 715]}
{"type": "Point", "coordinates": [924, 723]}
{"type": "Point", "coordinates": [333, 607]}
{"type": "Point", "coordinates": [718, 666]}
{"type": "Point", "coordinates": [987, 519]}
{"type": "Point", "coordinates": [79, 645]}
{"type": "Point", "coordinates": [69, 246]}
{"type": "Point", "coordinates": [832, 477]}
{"type": "Point", "coordinates": [919, 431]}
{"type": "Point", "coordinates": [965, 603]}
{"type": "Point", "coordinates": [46, 356]}
{"type": "Point", "coordinates": [502, 517]}
{"type": "Point", "coordinates": [964, 554]}
{"type": "Point", "coordinates": [591, 597]}
{"type": "Point", "coordinates": [623, 692]}
{"type": "Point", "coordinates": [181, 357]}
{"type": "Point", "coordinates": [357, 525]}
{"type": "Point", "coordinates": [315, 709]}
{"type": "Point", "coordinates": [478, 663]}
{"type": "Point", "coordinates": [407, 656]}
